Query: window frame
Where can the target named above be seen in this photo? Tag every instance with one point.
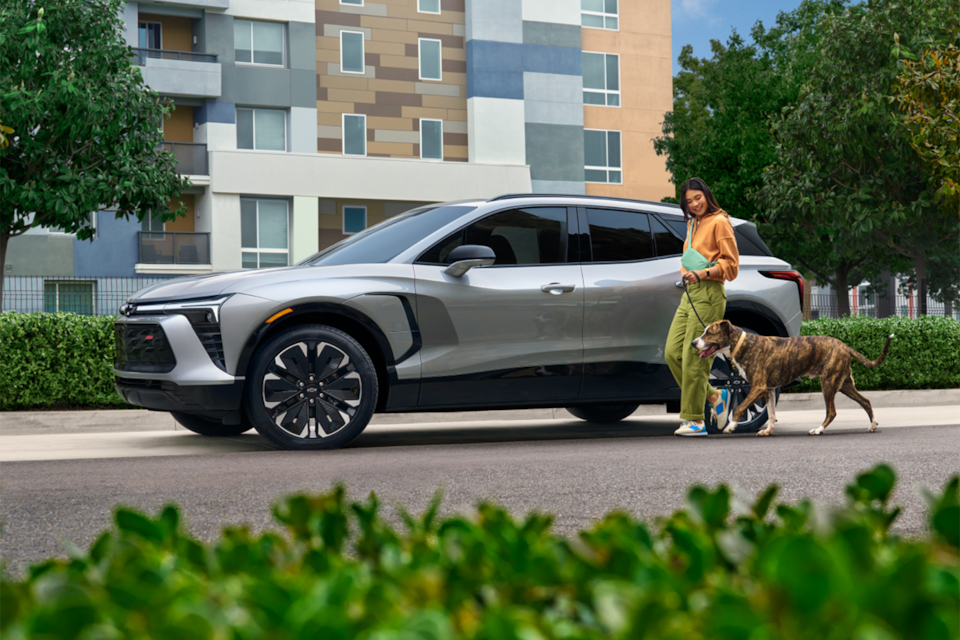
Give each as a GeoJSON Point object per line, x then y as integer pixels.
{"type": "Point", "coordinates": [253, 121]}
{"type": "Point", "coordinates": [432, 13]}
{"type": "Point", "coordinates": [257, 249]}
{"type": "Point", "coordinates": [603, 14]}
{"type": "Point", "coordinates": [283, 46]}
{"type": "Point", "coordinates": [587, 234]}
{"type": "Point", "coordinates": [363, 53]}
{"type": "Point", "coordinates": [343, 137]}
{"type": "Point", "coordinates": [606, 168]}
{"type": "Point", "coordinates": [420, 124]}
{"type": "Point", "coordinates": [420, 75]}
{"type": "Point", "coordinates": [58, 282]}
{"type": "Point", "coordinates": [160, 31]}
{"type": "Point", "coordinates": [352, 4]}
{"type": "Point", "coordinates": [343, 218]}
{"type": "Point", "coordinates": [565, 235]}
{"type": "Point", "coordinates": [607, 92]}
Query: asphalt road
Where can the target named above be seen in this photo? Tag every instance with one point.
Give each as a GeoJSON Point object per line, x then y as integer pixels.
{"type": "Point", "coordinates": [571, 469]}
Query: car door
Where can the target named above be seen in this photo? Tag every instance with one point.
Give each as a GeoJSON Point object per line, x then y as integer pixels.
{"type": "Point", "coordinates": [509, 334]}
{"type": "Point", "coordinates": [630, 265]}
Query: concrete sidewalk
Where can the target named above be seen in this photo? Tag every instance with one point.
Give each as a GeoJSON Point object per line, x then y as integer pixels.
{"type": "Point", "coordinates": [16, 423]}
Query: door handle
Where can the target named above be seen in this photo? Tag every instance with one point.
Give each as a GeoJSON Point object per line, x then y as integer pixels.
{"type": "Point", "coordinates": [556, 288]}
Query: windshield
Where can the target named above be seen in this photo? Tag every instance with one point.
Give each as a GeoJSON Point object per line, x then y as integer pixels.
{"type": "Point", "coordinates": [385, 241]}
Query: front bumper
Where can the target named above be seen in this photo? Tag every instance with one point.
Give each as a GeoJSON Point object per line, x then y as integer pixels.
{"type": "Point", "coordinates": [214, 401]}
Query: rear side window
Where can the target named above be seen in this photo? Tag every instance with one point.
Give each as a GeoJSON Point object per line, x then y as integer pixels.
{"type": "Point", "coordinates": [517, 236]}
{"type": "Point", "coordinates": [619, 236]}
{"type": "Point", "coordinates": [667, 243]}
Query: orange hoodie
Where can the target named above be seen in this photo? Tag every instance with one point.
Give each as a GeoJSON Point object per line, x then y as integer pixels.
{"type": "Point", "coordinates": [713, 238]}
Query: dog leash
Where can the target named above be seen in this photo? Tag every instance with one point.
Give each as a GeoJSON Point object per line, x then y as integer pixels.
{"type": "Point", "coordinates": [683, 285]}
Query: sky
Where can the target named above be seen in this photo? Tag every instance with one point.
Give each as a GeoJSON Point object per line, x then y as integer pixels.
{"type": "Point", "coordinates": [697, 22]}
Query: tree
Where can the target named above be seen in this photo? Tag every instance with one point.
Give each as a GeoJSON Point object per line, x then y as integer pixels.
{"type": "Point", "coordinates": [928, 93]}
{"type": "Point", "coordinates": [85, 127]}
{"type": "Point", "coordinates": [842, 161]}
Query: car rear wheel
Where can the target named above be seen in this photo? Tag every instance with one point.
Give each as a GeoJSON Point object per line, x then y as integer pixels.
{"type": "Point", "coordinates": [311, 387]}
{"type": "Point", "coordinates": [211, 428]}
{"type": "Point", "coordinates": [722, 376]}
{"type": "Point", "coordinates": [603, 412]}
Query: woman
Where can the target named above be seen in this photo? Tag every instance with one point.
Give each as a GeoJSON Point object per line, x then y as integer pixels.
{"type": "Point", "coordinates": [710, 233]}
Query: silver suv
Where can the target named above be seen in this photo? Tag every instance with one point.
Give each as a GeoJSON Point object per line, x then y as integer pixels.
{"type": "Point", "coordinates": [516, 302]}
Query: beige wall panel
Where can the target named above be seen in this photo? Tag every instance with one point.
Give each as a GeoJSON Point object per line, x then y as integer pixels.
{"type": "Point", "coordinates": [374, 207]}
{"type": "Point", "coordinates": [445, 102]}
{"type": "Point", "coordinates": [396, 86]}
{"type": "Point", "coordinates": [648, 45]}
{"type": "Point", "coordinates": [449, 77]}
{"type": "Point", "coordinates": [179, 126]}
{"type": "Point", "coordinates": [329, 118]}
{"type": "Point", "coordinates": [410, 12]}
{"type": "Point", "coordinates": [401, 62]}
{"type": "Point", "coordinates": [602, 118]}
{"type": "Point", "coordinates": [386, 35]}
{"type": "Point", "coordinates": [644, 16]}
{"type": "Point", "coordinates": [395, 124]}
{"type": "Point", "coordinates": [645, 71]}
{"type": "Point", "coordinates": [450, 53]}
{"type": "Point", "coordinates": [350, 95]}
{"type": "Point", "coordinates": [392, 148]}
{"type": "Point", "coordinates": [455, 114]}
{"type": "Point", "coordinates": [374, 22]}
{"type": "Point", "coordinates": [455, 151]}
{"type": "Point", "coordinates": [329, 43]}
{"type": "Point", "coordinates": [439, 28]}
{"type": "Point", "coordinates": [600, 40]}
{"type": "Point", "coordinates": [328, 55]}
{"type": "Point", "coordinates": [648, 98]}
{"type": "Point", "coordinates": [421, 112]}
{"type": "Point", "coordinates": [388, 48]}
{"type": "Point", "coordinates": [647, 121]}
{"type": "Point", "coordinates": [329, 153]}
{"type": "Point", "coordinates": [343, 82]}
{"type": "Point", "coordinates": [327, 5]}
{"type": "Point", "coordinates": [335, 107]}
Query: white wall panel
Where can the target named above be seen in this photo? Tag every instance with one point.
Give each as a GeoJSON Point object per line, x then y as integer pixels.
{"type": "Point", "coordinates": [303, 130]}
{"type": "Point", "coordinates": [496, 131]}
{"type": "Point", "coordinates": [555, 11]}
{"type": "Point", "coordinates": [305, 227]}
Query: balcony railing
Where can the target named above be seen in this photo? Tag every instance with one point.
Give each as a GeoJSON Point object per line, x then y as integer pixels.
{"type": "Point", "coordinates": [140, 55]}
{"type": "Point", "coordinates": [191, 157]}
{"type": "Point", "coordinates": [174, 247]}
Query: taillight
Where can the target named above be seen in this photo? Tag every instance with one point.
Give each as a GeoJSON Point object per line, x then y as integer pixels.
{"type": "Point", "coordinates": [787, 275]}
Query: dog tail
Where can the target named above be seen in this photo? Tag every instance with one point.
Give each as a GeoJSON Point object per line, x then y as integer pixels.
{"type": "Point", "coordinates": [875, 363]}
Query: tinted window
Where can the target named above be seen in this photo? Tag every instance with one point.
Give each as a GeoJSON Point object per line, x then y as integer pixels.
{"type": "Point", "coordinates": [619, 236]}
{"type": "Point", "coordinates": [677, 224]}
{"type": "Point", "coordinates": [667, 243]}
{"type": "Point", "coordinates": [517, 236]}
{"type": "Point", "coordinates": [385, 241]}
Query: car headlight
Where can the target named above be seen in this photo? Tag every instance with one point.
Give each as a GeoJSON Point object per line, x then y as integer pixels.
{"type": "Point", "coordinates": [201, 311]}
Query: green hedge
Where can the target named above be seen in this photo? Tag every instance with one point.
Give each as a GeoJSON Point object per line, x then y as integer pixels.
{"type": "Point", "coordinates": [718, 569]}
{"type": "Point", "coordinates": [925, 354]}
{"type": "Point", "coordinates": [58, 360]}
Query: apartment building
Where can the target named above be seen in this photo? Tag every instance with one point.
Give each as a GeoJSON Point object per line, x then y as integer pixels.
{"type": "Point", "coordinates": [302, 122]}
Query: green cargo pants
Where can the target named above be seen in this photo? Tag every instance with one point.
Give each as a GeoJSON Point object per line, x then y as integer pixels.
{"type": "Point", "coordinates": [691, 371]}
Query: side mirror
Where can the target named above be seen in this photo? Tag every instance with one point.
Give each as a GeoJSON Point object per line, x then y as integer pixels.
{"type": "Point", "coordinates": [468, 256]}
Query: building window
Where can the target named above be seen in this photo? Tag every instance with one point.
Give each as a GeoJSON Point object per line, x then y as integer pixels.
{"type": "Point", "coordinates": [258, 42]}
{"type": "Point", "coordinates": [264, 233]}
{"type": "Point", "coordinates": [354, 135]}
{"type": "Point", "coordinates": [601, 79]}
{"type": "Point", "coordinates": [150, 223]}
{"type": "Point", "coordinates": [262, 129]}
{"type": "Point", "coordinates": [428, 6]}
{"type": "Point", "coordinates": [355, 3]}
{"type": "Point", "coordinates": [354, 219]}
{"type": "Point", "coordinates": [599, 14]}
{"type": "Point", "coordinates": [430, 60]}
{"type": "Point", "coordinates": [351, 52]}
{"type": "Point", "coordinates": [601, 150]}
{"type": "Point", "coordinates": [69, 297]}
{"type": "Point", "coordinates": [431, 139]}
{"type": "Point", "coordinates": [149, 35]}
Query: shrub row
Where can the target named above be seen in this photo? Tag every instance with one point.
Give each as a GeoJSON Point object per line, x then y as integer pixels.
{"type": "Point", "coordinates": [717, 569]}
{"type": "Point", "coordinates": [64, 359]}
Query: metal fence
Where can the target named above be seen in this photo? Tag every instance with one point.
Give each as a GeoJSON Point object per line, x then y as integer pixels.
{"type": "Point", "coordinates": [174, 247]}
{"type": "Point", "coordinates": [89, 296]}
{"type": "Point", "coordinates": [140, 55]}
{"type": "Point", "coordinates": [824, 305]}
{"type": "Point", "coordinates": [191, 157]}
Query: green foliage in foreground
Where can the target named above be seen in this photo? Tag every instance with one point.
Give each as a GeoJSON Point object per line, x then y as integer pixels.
{"type": "Point", "coordinates": [925, 354]}
{"type": "Point", "coordinates": [56, 359]}
{"type": "Point", "coordinates": [717, 569]}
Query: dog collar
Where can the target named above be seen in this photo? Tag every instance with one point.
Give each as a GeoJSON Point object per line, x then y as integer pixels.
{"type": "Point", "coordinates": [739, 342]}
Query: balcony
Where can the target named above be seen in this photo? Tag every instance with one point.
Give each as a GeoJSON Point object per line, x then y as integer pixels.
{"type": "Point", "coordinates": [174, 252]}
{"type": "Point", "coordinates": [179, 73]}
{"type": "Point", "coordinates": [191, 157]}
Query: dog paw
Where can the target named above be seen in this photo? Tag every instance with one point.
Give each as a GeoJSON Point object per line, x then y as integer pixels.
{"type": "Point", "coordinates": [817, 431]}
{"type": "Point", "coordinates": [765, 432]}
{"type": "Point", "coordinates": [874, 426]}
{"type": "Point", "coordinates": [730, 428]}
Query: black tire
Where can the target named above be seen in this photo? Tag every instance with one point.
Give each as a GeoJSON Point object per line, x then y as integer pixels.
{"type": "Point", "coordinates": [329, 397]}
{"type": "Point", "coordinates": [603, 412]}
{"type": "Point", "coordinates": [722, 375]}
{"type": "Point", "coordinates": [211, 428]}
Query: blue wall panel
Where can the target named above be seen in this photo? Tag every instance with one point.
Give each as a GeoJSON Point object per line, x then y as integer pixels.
{"type": "Point", "coordinates": [114, 251]}
{"type": "Point", "coordinates": [215, 111]}
{"type": "Point", "coordinates": [495, 69]}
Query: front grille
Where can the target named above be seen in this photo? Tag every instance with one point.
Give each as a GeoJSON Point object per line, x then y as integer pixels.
{"type": "Point", "coordinates": [212, 341]}
{"type": "Point", "coordinates": [142, 347]}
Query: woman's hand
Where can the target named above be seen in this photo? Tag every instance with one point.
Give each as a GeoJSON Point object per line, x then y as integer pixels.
{"type": "Point", "coordinates": [690, 277]}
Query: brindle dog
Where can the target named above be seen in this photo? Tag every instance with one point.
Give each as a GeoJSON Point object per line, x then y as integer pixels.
{"type": "Point", "coordinates": [767, 363]}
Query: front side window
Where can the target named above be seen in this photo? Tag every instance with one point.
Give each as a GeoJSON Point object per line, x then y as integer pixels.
{"type": "Point", "coordinates": [431, 139]}
{"type": "Point", "coordinates": [518, 237]}
{"type": "Point", "coordinates": [258, 42]}
{"type": "Point", "coordinates": [354, 135]}
{"type": "Point", "coordinates": [354, 219]}
{"type": "Point", "coordinates": [149, 35]}
{"type": "Point", "coordinates": [619, 236]}
{"type": "Point", "coordinates": [351, 52]}
{"type": "Point", "coordinates": [264, 233]}
{"type": "Point", "coordinates": [601, 150]}
{"type": "Point", "coordinates": [69, 297]}
{"type": "Point", "coordinates": [262, 129]}
{"type": "Point", "coordinates": [601, 79]}
{"type": "Point", "coordinates": [428, 6]}
{"type": "Point", "coordinates": [600, 14]}
{"type": "Point", "coordinates": [430, 59]}
{"type": "Point", "coordinates": [667, 243]}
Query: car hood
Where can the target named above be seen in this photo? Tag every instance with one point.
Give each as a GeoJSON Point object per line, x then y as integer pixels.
{"type": "Point", "coordinates": [215, 284]}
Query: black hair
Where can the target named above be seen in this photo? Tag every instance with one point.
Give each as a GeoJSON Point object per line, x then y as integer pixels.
{"type": "Point", "coordinates": [696, 184]}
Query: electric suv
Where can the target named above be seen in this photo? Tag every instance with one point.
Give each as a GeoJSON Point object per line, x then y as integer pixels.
{"type": "Point", "coordinates": [520, 301]}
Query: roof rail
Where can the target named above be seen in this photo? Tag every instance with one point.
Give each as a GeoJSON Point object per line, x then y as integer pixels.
{"type": "Point", "coordinates": [510, 196]}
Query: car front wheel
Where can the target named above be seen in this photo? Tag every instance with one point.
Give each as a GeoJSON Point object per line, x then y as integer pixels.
{"type": "Point", "coordinates": [603, 412]}
{"type": "Point", "coordinates": [311, 387]}
{"type": "Point", "coordinates": [211, 428]}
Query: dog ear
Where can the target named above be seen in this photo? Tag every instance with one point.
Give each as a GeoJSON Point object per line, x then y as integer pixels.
{"type": "Point", "coordinates": [725, 326]}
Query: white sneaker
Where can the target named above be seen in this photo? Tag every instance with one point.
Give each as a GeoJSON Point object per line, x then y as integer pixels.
{"type": "Point", "coordinates": [721, 411]}
{"type": "Point", "coordinates": [691, 428]}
